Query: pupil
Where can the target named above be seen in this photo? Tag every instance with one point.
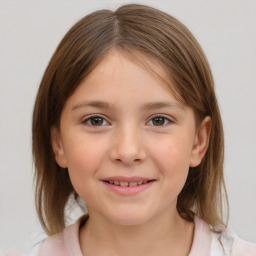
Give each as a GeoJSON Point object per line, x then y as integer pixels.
{"type": "Point", "coordinates": [158, 121]}
{"type": "Point", "coordinates": [97, 121]}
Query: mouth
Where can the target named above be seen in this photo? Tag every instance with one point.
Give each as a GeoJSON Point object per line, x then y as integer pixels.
{"type": "Point", "coordinates": [128, 184]}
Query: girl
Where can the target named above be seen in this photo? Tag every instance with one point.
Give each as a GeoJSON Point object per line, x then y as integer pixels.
{"type": "Point", "coordinates": [126, 119]}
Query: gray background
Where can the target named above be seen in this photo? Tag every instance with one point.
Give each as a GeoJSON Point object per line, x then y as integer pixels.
{"type": "Point", "coordinates": [30, 32]}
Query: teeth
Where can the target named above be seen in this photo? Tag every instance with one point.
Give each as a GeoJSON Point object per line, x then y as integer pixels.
{"type": "Point", "coordinates": [127, 184]}
{"type": "Point", "coordinates": [133, 184]}
{"type": "Point", "coordinates": [123, 184]}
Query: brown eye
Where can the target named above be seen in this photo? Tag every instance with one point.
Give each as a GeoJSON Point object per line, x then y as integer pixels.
{"type": "Point", "coordinates": [159, 121]}
{"type": "Point", "coordinates": [95, 121]}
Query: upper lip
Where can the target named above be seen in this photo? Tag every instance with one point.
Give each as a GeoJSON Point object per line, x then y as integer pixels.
{"type": "Point", "coordinates": [127, 179]}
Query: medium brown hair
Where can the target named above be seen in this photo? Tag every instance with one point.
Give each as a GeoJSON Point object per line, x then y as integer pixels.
{"type": "Point", "coordinates": [159, 36]}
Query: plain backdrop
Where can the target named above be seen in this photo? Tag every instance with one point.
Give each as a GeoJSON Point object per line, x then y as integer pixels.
{"type": "Point", "coordinates": [30, 32]}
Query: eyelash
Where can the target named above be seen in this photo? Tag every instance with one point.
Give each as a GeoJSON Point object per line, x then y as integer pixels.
{"type": "Point", "coordinates": [98, 116]}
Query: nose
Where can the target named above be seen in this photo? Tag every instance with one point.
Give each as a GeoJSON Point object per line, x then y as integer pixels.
{"type": "Point", "coordinates": [127, 147]}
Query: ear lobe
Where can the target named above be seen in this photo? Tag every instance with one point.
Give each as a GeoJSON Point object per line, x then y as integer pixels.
{"type": "Point", "coordinates": [201, 142]}
{"type": "Point", "coordinates": [58, 147]}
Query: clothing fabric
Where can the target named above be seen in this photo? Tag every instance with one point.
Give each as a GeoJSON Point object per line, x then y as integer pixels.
{"type": "Point", "coordinates": [205, 243]}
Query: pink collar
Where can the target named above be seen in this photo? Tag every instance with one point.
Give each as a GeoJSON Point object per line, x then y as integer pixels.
{"type": "Point", "coordinates": [66, 243]}
{"type": "Point", "coordinates": [202, 239]}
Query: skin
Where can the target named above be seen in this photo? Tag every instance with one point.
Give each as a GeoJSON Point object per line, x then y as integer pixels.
{"type": "Point", "coordinates": [128, 141]}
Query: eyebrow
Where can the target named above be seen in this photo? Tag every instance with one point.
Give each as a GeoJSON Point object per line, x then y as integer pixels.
{"type": "Point", "coordinates": [146, 106]}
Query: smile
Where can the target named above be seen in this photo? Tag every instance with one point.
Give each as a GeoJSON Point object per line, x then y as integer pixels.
{"type": "Point", "coordinates": [128, 186]}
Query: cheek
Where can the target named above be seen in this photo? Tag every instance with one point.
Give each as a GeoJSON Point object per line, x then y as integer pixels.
{"type": "Point", "coordinates": [173, 154]}
{"type": "Point", "coordinates": [84, 157]}
{"type": "Point", "coordinates": [172, 159]}
{"type": "Point", "coordinates": [83, 151]}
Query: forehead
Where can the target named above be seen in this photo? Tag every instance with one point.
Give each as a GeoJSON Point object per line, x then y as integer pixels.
{"type": "Point", "coordinates": [123, 59]}
{"type": "Point", "coordinates": [119, 71]}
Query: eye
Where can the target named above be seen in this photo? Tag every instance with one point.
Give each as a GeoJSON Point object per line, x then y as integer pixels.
{"type": "Point", "coordinates": [160, 121]}
{"type": "Point", "coordinates": [95, 121]}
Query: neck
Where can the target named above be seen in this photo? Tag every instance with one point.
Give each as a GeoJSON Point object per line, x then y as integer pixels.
{"type": "Point", "coordinates": [163, 235]}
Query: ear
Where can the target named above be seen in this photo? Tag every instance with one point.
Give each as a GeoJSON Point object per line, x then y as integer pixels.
{"type": "Point", "coordinates": [58, 147]}
{"type": "Point", "coordinates": [201, 142]}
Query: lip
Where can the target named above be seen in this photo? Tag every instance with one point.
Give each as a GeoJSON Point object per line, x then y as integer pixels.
{"type": "Point", "coordinates": [127, 179]}
{"type": "Point", "coordinates": [128, 191]}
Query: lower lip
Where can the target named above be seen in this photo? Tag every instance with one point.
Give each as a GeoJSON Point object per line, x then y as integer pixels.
{"type": "Point", "coordinates": [128, 190]}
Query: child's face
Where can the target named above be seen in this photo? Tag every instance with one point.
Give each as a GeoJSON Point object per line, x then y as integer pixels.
{"type": "Point", "coordinates": [126, 141]}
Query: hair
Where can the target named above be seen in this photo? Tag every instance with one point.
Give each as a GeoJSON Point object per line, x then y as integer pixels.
{"type": "Point", "coordinates": [155, 34]}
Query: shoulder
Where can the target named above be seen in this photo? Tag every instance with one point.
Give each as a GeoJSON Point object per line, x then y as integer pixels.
{"type": "Point", "coordinates": [53, 245]}
{"type": "Point", "coordinates": [242, 247]}
{"type": "Point", "coordinates": [12, 252]}
{"type": "Point", "coordinates": [64, 243]}
{"type": "Point", "coordinates": [229, 244]}
{"type": "Point", "coordinates": [226, 243]}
